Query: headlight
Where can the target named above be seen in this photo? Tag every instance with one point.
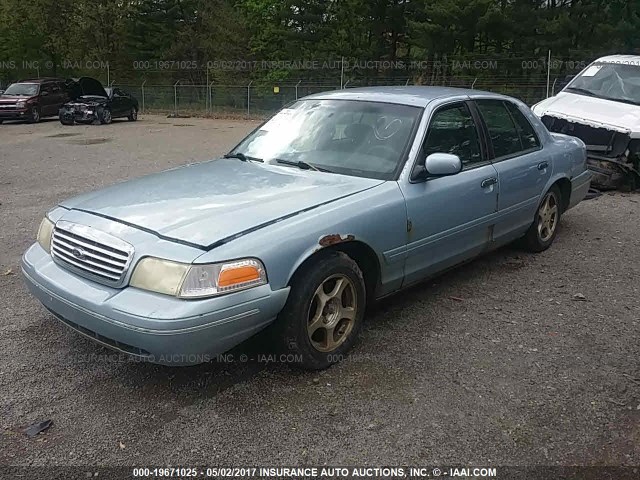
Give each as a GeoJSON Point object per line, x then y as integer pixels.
{"type": "Point", "coordinates": [197, 281]}
{"type": "Point", "coordinates": [21, 103]}
{"type": "Point", "coordinates": [44, 233]}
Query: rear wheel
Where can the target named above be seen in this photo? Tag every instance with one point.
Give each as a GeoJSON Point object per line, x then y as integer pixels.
{"type": "Point", "coordinates": [324, 312]}
{"type": "Point", "coordinates": [544, 228]}
{"type": "Point", "coordinates": [133, 115]}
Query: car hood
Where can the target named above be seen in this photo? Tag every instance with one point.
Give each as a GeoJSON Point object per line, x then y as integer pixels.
{"type": "Point", "coordinates": [592, 111]}
{"type": "Point", "coordinates": [86, 86]}
{"type": "Point", "coordinates": [14, 98]}
{"type": "Point", "coordinates": [211, 203]}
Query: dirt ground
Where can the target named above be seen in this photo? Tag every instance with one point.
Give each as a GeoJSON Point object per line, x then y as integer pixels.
{"type": "Point", "coordinates": [513, 359]}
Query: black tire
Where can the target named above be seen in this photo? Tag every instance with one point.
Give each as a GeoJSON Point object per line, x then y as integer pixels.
{"type": "Point", "coordinates": [1, 122]}
{"type": "Point", "coordinates": [540, 237]}
{"type": "Point", "coordinates": [133, 115]}
{"type": "Point", "coordinates": [34, 116]}
{"type": "Point", "coordinates": [104, 116]}
{"type": "Point", "coordinates": [293, 324]}
{"type": "Point", "coordinates": [66, 119]}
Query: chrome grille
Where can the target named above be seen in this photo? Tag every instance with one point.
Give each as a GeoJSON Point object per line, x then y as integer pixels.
{"type": "Point", "coordinates": [90, 252]}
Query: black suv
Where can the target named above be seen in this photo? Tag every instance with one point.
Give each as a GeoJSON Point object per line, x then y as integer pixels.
{"type": "Point", "coordinates": [33, 99]}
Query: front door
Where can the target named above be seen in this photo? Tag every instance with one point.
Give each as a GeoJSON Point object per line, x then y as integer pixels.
{"type": "Point", "coordinates": [451, 218]}
{"type": "Point", "coordinates": [47, 100]}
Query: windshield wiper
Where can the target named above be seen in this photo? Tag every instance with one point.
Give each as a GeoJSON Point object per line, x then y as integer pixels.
{"type": "Point", "coordinates": [242, 156]}
{"type": "Point", "coordinates": [582, 90]}
{"type": "Point", "coordinates": [302, 165]}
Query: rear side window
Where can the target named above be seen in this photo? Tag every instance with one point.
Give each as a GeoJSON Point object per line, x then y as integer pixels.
{"type": "Point", "coordinates": [528, 136]}
{"type": "Point", "coordinates": [504, 134]}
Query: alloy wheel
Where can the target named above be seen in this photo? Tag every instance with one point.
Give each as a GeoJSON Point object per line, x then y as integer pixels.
{"type": "Point", "coordinates": [548, 217]}
{"type": "Point", "coordinates": [332, 313]}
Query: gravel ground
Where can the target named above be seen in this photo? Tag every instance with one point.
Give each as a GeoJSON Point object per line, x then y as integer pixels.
{"type": "Point", "coordinates": [495, 363]}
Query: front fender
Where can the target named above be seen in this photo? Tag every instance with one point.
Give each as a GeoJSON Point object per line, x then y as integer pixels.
{"type": "Point", "coordinates": [376, 217]}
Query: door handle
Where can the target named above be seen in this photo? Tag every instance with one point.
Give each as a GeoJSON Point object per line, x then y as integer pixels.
{"type": "Point", "coordinates": [543, 165]}
{"type": "Point", "coordinates": [487, 182]}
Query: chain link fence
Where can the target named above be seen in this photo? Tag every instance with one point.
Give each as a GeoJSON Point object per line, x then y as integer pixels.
{"type": "Point", "coordinates": [258, 100]}
{"type": "Point", "coordinates": [232, 92]}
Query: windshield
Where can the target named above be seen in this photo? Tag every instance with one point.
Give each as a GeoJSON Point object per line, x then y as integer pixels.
{"type": "Point", "coordinates": [29, 89]}
{"type": "Point", "coordinates": [365, 139]}
{"type": "Point", "coordinates": [612, 81]}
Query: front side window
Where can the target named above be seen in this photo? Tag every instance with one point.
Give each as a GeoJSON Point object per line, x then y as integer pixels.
{"type": "Point", "coordinates": [452, 130]}
{"type": "Point", "coordinates": [359, 138]}
{"type": "Point", "coordinates": [502, 129]}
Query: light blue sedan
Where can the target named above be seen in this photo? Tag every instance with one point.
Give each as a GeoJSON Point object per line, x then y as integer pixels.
{"type": "Point", "coordinates": [338, 200]}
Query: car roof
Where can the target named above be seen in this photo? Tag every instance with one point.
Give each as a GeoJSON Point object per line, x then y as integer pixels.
{"type": "Point", "coordinates": [41, 80]}
{"type": "Point", "coordinates": [630, 59]}
{"type": "Point", "coordinates": [418, 96]}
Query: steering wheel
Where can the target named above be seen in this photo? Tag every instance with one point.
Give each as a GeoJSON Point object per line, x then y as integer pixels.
{"type": "Point", "coordinates": [384, 128]}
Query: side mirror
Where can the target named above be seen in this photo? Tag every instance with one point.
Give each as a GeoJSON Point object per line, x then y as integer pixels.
{"type": "Point", "coordinates": [45, 93]}
{"type": "Point", "coordinates": [442, 164]}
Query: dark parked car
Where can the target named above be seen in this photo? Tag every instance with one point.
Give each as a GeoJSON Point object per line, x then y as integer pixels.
{"type": "Point", "coordinates": [33, 99]}
{"type": "Point", "coordinates": [94, 102]}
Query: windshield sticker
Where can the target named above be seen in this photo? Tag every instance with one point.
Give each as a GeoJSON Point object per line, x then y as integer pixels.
{"type": "Point", "coordinates": [592, 71]}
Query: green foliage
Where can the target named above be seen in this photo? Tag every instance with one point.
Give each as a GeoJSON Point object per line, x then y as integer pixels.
{"type": "Point", "coordinates": [125, 31]}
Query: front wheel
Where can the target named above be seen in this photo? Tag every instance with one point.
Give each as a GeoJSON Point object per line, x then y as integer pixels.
{"type": "Point", "coordinates": [34, 115]}
{"type": "Point", "coordinates": [324, 312]}
{"type": "Point", "coordinates": [133, 115]}
{"type": "Point", "coordinates": [544, 228]}
{"type": "Point", "coordinates": [65, 119]}
{"type": "Point", "coordinates": [104, 116]}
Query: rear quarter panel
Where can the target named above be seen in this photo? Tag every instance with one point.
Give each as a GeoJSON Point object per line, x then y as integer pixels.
{"type": "Point", "coordinates": [568, 154]}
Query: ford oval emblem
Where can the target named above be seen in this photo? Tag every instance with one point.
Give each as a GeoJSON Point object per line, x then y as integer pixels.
{"type": "Point", "coordinates": [79, 253]}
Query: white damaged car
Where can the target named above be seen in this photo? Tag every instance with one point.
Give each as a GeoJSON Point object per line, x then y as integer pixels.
{"type": "Point", "coordinates": [601, 106]}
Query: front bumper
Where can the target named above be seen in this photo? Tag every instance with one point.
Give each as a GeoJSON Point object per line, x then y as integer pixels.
{"type": "Point", "coordinates": [14, 114]}
{"type": "Point", "coordinates": [79, 116]}
{"type": "Point", "coordinates": [153, 327]}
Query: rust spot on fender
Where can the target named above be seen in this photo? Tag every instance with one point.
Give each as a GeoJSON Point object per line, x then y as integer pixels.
{"type": "Point", "coordinates": [335, 238]}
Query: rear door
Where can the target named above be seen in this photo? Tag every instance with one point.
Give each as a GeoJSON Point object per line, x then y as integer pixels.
{"type": "Point", "coordinates": [59, 95]}
{"type": "Point", "coordinates": [451, 218]}
{"type": "Point", "coordinates": [523, 166]}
